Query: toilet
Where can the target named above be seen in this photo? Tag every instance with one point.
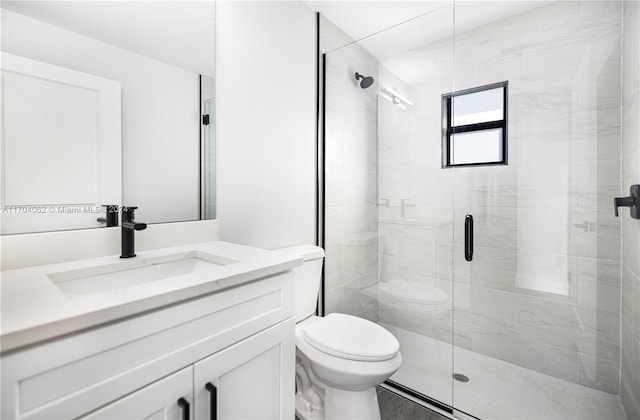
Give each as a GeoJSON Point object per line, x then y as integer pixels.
{"type": "Point", "coordinates": [339, 358]}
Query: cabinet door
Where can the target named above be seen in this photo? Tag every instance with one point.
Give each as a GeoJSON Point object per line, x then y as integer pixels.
{"type": "Point", "coordinates": [253, 379]}
{"type": "Point", "coordinates": [158, 401]}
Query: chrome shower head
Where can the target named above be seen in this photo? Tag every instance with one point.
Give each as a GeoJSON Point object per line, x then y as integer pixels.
{"type": "Point", "coordinates": [366, 80]}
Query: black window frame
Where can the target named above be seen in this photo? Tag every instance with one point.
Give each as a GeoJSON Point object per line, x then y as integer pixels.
{"type": "Point", "coordinates": [448, 130]}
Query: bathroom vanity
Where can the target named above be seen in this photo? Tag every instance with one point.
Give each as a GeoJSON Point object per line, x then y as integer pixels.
{"type": "Point", "coordinates": [201, 331]}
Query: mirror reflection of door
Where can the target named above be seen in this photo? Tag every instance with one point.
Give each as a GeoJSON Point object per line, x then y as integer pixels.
{"type": "Point", "coordinates": [209, 160]}
{"type": "Point", "coordinates": [61, 142]}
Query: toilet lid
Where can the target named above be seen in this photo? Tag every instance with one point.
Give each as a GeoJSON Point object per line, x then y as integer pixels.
{"type": "Point", "coordinates": [353, 338]}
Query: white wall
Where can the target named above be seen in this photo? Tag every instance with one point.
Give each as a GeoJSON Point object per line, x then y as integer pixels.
{"type": "Point", "coordinates": [266, 102]}
{"type": "Point", "coordinates": [160, 137]}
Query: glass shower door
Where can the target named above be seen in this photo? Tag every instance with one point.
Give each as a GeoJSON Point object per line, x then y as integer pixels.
{"type": "Point", "coordinates": [536, 312]}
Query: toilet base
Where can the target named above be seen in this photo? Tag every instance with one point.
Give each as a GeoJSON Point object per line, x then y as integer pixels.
{"type": "Point", "coordinates": [305, 411]}
{"type": "Point", "coordinates": [343, 405]}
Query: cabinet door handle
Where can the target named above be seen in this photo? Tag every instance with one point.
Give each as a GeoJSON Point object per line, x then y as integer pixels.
{"type": "Point", "coordinates": [468, 237]}
{"type": "Point", "coordinates": [184, 404]}
{"type": "Point", "coordinates": [213, 392]}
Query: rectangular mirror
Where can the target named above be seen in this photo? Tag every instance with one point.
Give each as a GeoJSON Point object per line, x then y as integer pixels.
{"type": "Point", "coordinates": [62, 157]}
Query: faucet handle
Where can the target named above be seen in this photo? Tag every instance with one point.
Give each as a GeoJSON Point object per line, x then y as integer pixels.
{"type": "Point", "coordinates": [111, 211]}
{"type": "Point", "coordinates": [621, 202]}
{"type": "Point", "coordinates": [633, 202]}
{"type": "Point", "coordinates": [404, 205]}
{"type": "Point", "coordinates": [127, 213]}
{"type": "Point", "coordinates": [404, 201]}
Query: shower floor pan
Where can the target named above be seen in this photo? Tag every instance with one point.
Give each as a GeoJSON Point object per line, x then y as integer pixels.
{"type": "Point", "coordinates": [496, 389]}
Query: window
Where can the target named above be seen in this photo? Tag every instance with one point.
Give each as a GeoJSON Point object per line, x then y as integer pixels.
{"type": "Point", "coordinates": [474, 126]}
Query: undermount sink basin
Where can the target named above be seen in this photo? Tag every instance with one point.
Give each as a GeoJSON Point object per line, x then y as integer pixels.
{"type": "Point", "coordinates": [120, 276]}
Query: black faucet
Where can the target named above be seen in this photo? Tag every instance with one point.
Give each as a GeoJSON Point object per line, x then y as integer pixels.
{"type": "Point", "coordinates": [128, 227]}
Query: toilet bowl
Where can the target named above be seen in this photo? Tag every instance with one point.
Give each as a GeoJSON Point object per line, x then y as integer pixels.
{"type": "Point", "coordinates": [339, 358]}
{"type": "Point", "coordinates": [339, 361]}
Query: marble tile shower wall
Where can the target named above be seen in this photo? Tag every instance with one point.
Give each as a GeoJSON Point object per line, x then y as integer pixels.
{"type": "Point", "coordinates": [630, 383]}
{"type": "Point", "coordinates": [543, 291]}
{"type": "Point", "coordinates": [351, 233]}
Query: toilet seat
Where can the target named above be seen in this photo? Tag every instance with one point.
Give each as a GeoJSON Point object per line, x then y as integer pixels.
{"type": "Point", "coordinates": [352, 338]}
{"type": "Point", "coordinates": [340, 372]}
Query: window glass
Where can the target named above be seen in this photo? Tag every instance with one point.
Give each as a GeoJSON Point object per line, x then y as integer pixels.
{"type": "Point", "coordinates": [478, 107]}
{"type": "Point", "coordinates": [476, 146]}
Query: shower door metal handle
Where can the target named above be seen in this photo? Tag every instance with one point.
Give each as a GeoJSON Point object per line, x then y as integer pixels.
{"type": "Point", "coordinates": [468, 237]}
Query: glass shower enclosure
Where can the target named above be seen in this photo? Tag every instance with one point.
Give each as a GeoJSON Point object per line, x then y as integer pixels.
{"type": "Point", "coordinates": [507, 114]}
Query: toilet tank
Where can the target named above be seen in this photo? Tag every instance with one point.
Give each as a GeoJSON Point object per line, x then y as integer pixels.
{"type": "Point", "coordinates": [307, 278]}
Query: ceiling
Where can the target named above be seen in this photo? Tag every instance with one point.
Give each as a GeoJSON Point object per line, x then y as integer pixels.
{"type": "Point", "coordinates": [395, 31]}
{"type": "Point", "coordinates": [182, 32]}
{"type": "Point", "coordinates": [175, 32]}
{"type": "Point", "coordinates": [388, 28]}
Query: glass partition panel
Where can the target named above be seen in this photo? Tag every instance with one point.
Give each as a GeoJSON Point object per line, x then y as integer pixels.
{"type": "Point", "coordinates": [388, 204]}
{"type": "Point", "coordinates": [536, 312]}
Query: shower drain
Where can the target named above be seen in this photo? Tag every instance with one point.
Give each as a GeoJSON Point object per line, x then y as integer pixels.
{"type": "Point", "coordinates": [460, 377]}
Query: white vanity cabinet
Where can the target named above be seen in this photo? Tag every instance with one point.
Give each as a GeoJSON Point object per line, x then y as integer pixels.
{"type": "Point", "coordinates": [239, 340]}
{"type": "Point", "coordinates": [245, 381]}
{"type": "Point", "coordinates": [157, 401]}
{"type": "Point", "coordinates": [241, 382]}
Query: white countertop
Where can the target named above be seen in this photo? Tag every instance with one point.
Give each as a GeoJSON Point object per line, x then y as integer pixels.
{"type": "Point", "coordinates": [34, 309]}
